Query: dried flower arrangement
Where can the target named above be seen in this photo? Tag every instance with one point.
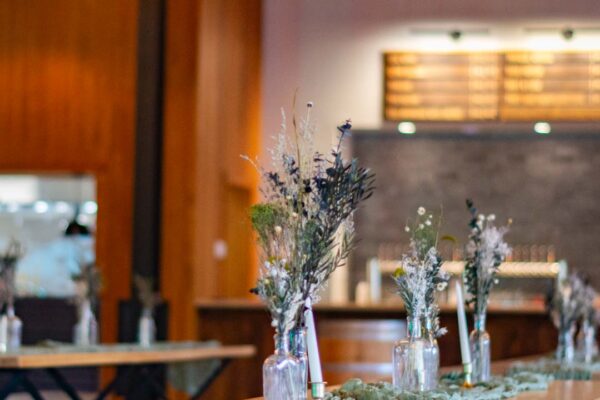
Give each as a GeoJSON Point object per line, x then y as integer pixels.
{"type": "Point", "coordinates": [144, 287]}
{"type": "Point", "coordinates": [420, 274]}
{"type": "Point", "coordinates": [484, 252]}
{"type": "Point", "coordinates": [568, 301]}
{"type": "Point", "coordinates": [589, 312]}
{"type": "Point", "coordinates": [88, 284]}
{"type": "Point", "coordinates": [304, 225]}
{"type": "Point", "coordinates": [8, 271]}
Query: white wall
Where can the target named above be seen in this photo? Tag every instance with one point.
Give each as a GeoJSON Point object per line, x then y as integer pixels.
{"type": "Point", "coordinates": [331, 49]}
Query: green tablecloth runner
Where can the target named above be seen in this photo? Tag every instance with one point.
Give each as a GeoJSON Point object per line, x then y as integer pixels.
{"type": "Point", "coordinates": [557, 369]}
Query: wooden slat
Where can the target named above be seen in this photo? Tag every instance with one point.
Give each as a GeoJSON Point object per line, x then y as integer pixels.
{"type": "Point", "coordinates": [113, 356]}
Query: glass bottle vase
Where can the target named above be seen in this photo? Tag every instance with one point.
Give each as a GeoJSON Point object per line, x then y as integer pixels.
{"type": "Point", "coordinates": [299, 350]}
{"type": "Point", "coordinates": [14, 329]}
{"type": "Point", "coordinates": [412, 359]}
{"type": "Point", "coordinates": [565, 351]}
{"type": "Point", "coordinates": [282, 373]}
{"type": "Point", "coordinates": [432, 348]}
{"type": "Point", "coordinates": [480, 344]}
{"type": "Point", "coordinates": [146, 328]}
{"type": "Point", "coordinates": [85, 332]}
{"type": "Point", "coordinates": [587, 346]}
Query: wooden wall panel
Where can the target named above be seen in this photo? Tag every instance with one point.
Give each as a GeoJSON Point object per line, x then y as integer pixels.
{"type": "Point", "coordinates": [67, 104]}
{"type": "Point", "coordinates": [212, 102]}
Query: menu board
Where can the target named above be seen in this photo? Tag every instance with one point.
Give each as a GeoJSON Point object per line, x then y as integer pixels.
{"type": "Point", "coordinates": [510, 86]}
{"type": "Point", "coordinates": [550, 86]}
{"type": "Point", "coordinates": [441, 87]}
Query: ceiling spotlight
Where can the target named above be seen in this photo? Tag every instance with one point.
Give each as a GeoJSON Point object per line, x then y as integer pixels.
{"type": "Point", "coordinates": [455, 34]}
{"type": "Point", "coordinates": [567, 33]}
{"type": "Point", "coordinates": [542, 128]}
{"type": "Point", "coordinates": [407, 128]}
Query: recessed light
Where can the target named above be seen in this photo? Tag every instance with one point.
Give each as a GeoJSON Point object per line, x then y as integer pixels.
{"type": "Point", "coordinates": [407, 128]}
{"type": "Point", "coordinates": [542, 128]}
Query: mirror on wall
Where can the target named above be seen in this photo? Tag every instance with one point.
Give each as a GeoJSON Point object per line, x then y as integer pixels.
{"type": "Point", "coordinates": [53, 219]}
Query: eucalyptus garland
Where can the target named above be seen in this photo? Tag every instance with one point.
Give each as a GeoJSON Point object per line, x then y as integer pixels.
{"type": "Point", "coordinates": [304, 226]}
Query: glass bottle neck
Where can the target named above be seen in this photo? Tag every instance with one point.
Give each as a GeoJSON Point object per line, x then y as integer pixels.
{"type": "Point", "coordinates": [414, 327]}
{"type": "Point", "coordinates": [282, 343]}
{"type": "Point", "coordinates": [479, 322]}
{"type": "Point", "coordinates": [298, 340]}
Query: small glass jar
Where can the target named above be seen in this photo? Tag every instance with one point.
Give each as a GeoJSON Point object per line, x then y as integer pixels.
{"type": "Point", "coordinates": [587, 346]}
{"type": "Point", "coordinates": [412, 358]}
{"type": "Point", "coordinates": [146, 328]}
{"type": "Point", "coordinates": [282, 373]}
{"type": "Point", "coordinates": [299, 350]}
{"type": "Point", "coordinates": [432, 349]}
{"type": "Point", "coordinates": [14, 329]}
{"type": "Point", "coordinates": [85, 332]}
{"type": "Point", "coordinates": [565, 351]}
{"type": "Point", "coordinates": [480, 344]}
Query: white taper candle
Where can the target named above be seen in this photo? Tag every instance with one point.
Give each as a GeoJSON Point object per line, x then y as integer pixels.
{"type": "Point", "coordinates": [314, 361]}
{"type": "Point", "coordinates": [462, 325]}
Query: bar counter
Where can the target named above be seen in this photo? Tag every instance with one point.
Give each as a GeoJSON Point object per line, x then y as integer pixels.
{"type": "Point", "coordinates": [356, 340]}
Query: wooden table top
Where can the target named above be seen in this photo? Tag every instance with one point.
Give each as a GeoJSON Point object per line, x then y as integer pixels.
{"type": "Point", "coordinates": [118, 354]}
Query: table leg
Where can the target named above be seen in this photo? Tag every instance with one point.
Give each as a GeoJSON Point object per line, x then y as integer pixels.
{"type": "Point", "coordinates": [210, 379]}
{"type": "Point", "coordinates": [13, 384]}
{"type": "Point", "coordinates": [30, 388]}
{"type": "Point", "coordinates": [62, 383]}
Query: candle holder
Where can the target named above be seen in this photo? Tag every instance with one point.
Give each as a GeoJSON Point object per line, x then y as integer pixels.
{"type": "Point", "coordinates": [467, 372]}
{"type": "Point", "coordinates": [317, 389]}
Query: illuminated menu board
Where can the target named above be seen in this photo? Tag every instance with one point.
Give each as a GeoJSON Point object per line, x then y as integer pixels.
{"type": "Point", "coordinates": [510, 86]}
{"type": "Point", "coordinates": [550, 86]}
{"type": "Point", "coordinates": [441, 87]}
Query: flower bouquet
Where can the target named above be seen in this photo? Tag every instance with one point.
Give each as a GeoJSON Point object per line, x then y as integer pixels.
{"type": "Point", "coordinates": [485, 251]}
{"type": "Point", "coordinates": [148, 298]}
{"type": "Point", "coordinates": [11, 326]}
{"type": "Point", "coordinates": [416, 358]}
{"type": "Point", "coordinates": [587, 345]}
{"type": "Point", "coordinates": [566, 305]}
{"type": "Point", "coordinates": [305, 231]}
{"type": "Point", "coordinates": [88, 283]}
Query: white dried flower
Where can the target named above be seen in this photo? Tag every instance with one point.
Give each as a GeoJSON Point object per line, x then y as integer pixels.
{"type": "Point", "coordinates": [278, 230]}
{"type": "Point", "coordinates": [441, 286]}
{"type": "Point", "coordinates": [491, 217]}
{"type": "Point", "coordinates": [421, 210]}
{"type": "Point", "coordinates": [428, 222]}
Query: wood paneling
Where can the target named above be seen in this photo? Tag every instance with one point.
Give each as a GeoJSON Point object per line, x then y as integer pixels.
{"type": "Point", "coordinates": [67, 104]}
{"type": "Point", "coordinates": [212, 75]}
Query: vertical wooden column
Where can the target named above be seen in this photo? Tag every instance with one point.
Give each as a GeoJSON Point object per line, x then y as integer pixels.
{"type": "Point", "coordinates": [212, 103]}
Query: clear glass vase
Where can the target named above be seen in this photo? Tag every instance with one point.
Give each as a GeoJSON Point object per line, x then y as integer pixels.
{"type": "Point", "coordinates": [587, 346]}
{"type": "Point", "coordinates": [433, 350]}
{"type": "Point", "coordinates": [299, 350]}
{"type": "Point", "coordinates": [480, 344]}
{"type": "Point", "coordinates": [85, 332]}
{"type": "Point", "coordinates": [413, 358]}
{"type": "Point", "coordinates": [14, 329]}
{"type": "Point", "coordinates": [565, 351]}
{"type": "Point", "coordinates": [282, 373]}
{"type": "Point", "coordinates": [146, 328]}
